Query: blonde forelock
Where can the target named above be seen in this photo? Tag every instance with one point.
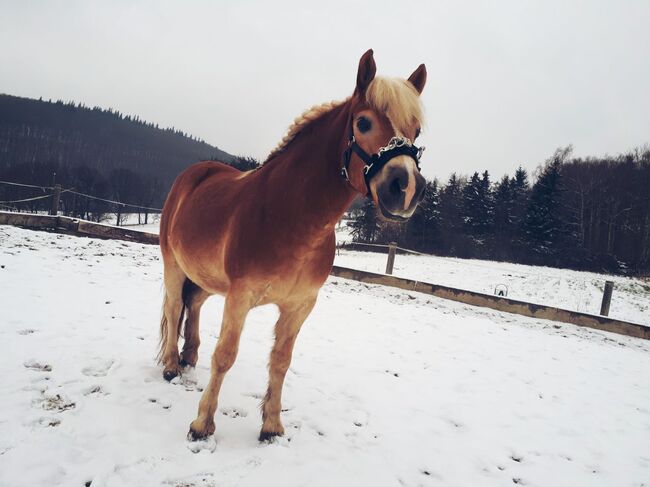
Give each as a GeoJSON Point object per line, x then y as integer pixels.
{"type": "Point", "coordinates": [398, 100]}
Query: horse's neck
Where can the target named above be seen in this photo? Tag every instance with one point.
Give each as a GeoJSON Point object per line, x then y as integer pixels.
{"type": "Point", "coordinates": [309, 169]}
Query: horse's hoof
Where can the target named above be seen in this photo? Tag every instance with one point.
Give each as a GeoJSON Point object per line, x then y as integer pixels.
{"type": "Point", "coordinates": [197, 435]}
{"type": "Point", "coordinates": [184, 363]}
{"type": "Point", "coordinates": [168, 375]}
{"type": "Point", "coordinates": [268, 436]}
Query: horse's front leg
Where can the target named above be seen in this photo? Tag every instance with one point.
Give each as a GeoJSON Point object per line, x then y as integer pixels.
{"type": "Point", "coordinates": [234, 314]}
{"type": "Point", "coordinates": [286, 332]}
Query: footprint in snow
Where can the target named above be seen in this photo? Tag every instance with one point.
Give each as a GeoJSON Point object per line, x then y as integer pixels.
{"type": "Point", "coordinates": [254, 395]}
{"type": "Point", "coordinates": [100, 369]}
{"type": "Point", "coordinates": [454, 423]}
{"type": "Point", "coordinates": [187, 380]}
{"type": "Point", "coordinates": [34, 365]}
{"type": "Point", "coordinates": [233, 412]}
{"type": "Point", "coordinates": [359, 418]}
{"type": "Point", "coordinates": [95, 390]}
{"type": "Point", "coordinates": [394, 374]}
{"type": "Point", "coordinates": [198, 480]}
{"type": "Point", "coordinates": [56, 403]}
{"type": "Point", "coordinates": [161, 402]}
{"type": "Point", "coordinates": [48, 422]}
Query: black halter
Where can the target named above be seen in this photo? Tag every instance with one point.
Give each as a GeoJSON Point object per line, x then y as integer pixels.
{"type": "Point", "coordinates": [397, 146]}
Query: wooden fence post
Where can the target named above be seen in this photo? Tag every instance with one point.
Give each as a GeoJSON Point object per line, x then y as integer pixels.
{"type": "Point", "coordinates": [607, 298]}
{"type": "Point", "coordinates": [56, 196]}
{"type": "Point", "coordinates": [119, 213]}
{"type": "Point", "coordinates": [392, 247]}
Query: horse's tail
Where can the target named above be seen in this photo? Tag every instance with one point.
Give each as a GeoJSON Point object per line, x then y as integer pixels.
{"type": "Point", "coordinates": [188, 290]}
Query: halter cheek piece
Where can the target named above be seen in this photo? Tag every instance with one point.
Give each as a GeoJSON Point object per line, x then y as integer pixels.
{"type": "Point", "coordinates": [397, 146]}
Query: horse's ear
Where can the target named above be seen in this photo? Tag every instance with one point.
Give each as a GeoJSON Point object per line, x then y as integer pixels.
{"type": "Point", "coordinates": [367, 70]}
{"type": "Point", "coordinates": [419, 78]}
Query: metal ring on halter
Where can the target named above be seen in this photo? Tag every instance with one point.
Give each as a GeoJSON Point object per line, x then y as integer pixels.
{"type": "Point", "coordinates": [395, 142]}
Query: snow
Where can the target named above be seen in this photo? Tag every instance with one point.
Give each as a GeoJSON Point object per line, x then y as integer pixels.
{"type": "Point", "coordinates": [562, 288]}
{"type": "Point", "coordinates": [386, 387]}
{"type": "Point", "coordinates": [132, 221]}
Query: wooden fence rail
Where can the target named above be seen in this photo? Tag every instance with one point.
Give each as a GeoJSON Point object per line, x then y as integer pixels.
{"type": "Point", "coordinates": [74, 226]}
{"type": "Point", "coordinates": [65, 224]}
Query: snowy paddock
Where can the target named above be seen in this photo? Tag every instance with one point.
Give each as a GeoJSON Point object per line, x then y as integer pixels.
{"type": "Point", "coordinates": [386, 387]}
{"type": "Point", "coordinates": [562, 288]}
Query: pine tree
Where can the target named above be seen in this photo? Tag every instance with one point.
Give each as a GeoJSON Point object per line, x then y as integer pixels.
{"type": "Point", "coordinates": [471, 204]}
{"type": "Point", "coordinates": [365, 225]}
{"type": "Point", "coordinates": [478, 213]}
{"type": "Point", "coordinates": [545, 229]}
{"type": "Point", "coordinates": [503, 206]}
{"type": "Point", "coordinates": [451, 216]}
{"type": "Point", "coordinates": [520, 193]}
{"type": "Point", "coordinates": [423, 227]}
{"type": "Point", "coordinates": [487, 203]}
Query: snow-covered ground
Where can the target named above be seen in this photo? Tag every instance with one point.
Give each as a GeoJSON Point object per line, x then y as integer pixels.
{"type": "Point", "coordinates": [386, 387]}
{"type": "Point", "coordinates": [563, 288]}
{"type": "Point", "coordinates": [134, 221]}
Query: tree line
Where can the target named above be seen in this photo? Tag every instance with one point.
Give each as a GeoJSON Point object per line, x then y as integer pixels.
{"type": "Point", "coordinates": [591, 214]}
{"type": "Point", "coordinates": [119, 184]}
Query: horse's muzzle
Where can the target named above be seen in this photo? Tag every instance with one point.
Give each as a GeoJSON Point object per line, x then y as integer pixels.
{"type": "Point", "coordinates": [393, 191]}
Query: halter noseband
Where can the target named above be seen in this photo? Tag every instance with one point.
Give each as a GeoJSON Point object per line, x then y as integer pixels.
{"type": "Point", "coordinates": [397, 146]}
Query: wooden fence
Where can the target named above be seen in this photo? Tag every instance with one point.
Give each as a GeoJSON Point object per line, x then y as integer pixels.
{"type": "Point", "coordinates": [65, 224]}
{"type": "Point", "coordinates": [74, 226]}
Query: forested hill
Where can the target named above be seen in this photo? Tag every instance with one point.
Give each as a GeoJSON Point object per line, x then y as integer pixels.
{"type": "Point", "coordinates": [45, 137]}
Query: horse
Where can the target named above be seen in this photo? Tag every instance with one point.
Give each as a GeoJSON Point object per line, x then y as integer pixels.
{"type": "Point", "coordinates": [267, 235]}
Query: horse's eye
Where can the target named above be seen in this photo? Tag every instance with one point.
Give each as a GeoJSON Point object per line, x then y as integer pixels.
{"type": "Point", "coordinates": [363, 124]}
{"type": "Point", "coordinates": [417, 133]}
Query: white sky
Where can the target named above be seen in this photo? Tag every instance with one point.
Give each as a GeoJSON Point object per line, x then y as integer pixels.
{"type": "Point", "coordinates": [509, 81]}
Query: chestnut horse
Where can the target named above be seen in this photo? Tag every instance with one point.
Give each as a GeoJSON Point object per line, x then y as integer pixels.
{"type": "Point", "coordinates": [267, 235]}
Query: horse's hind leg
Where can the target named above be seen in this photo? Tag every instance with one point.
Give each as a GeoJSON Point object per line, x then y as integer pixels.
{"type": "Point", "coordinates": [286, 331]}
{"type": "Point", "coordinates": [173, 309]}
{"type": "Point", "coordinates": [194, 300]}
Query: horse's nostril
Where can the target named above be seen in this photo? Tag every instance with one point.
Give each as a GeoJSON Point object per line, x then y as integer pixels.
{"type": "Point", "coordinates": [395, 187]}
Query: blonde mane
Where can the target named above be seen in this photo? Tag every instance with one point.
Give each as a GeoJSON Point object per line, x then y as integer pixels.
{"type": "Point", "coordinates": [304, 119]}
{"type": "Point", "coordinates": [394, 97]}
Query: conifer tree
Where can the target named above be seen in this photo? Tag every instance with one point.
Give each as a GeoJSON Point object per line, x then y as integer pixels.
{"type": "Point", "coordinates": [423, 227]}
{"type": "Point", "coordinates": [451, 215]}
{"type": "Point", "coordinates": [365, 225]}
{"type": "Point", "coordinates": [544, 228]}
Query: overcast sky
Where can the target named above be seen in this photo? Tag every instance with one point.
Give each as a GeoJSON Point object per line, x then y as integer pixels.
{"type": "Point", "coordinates": [509, 81]}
